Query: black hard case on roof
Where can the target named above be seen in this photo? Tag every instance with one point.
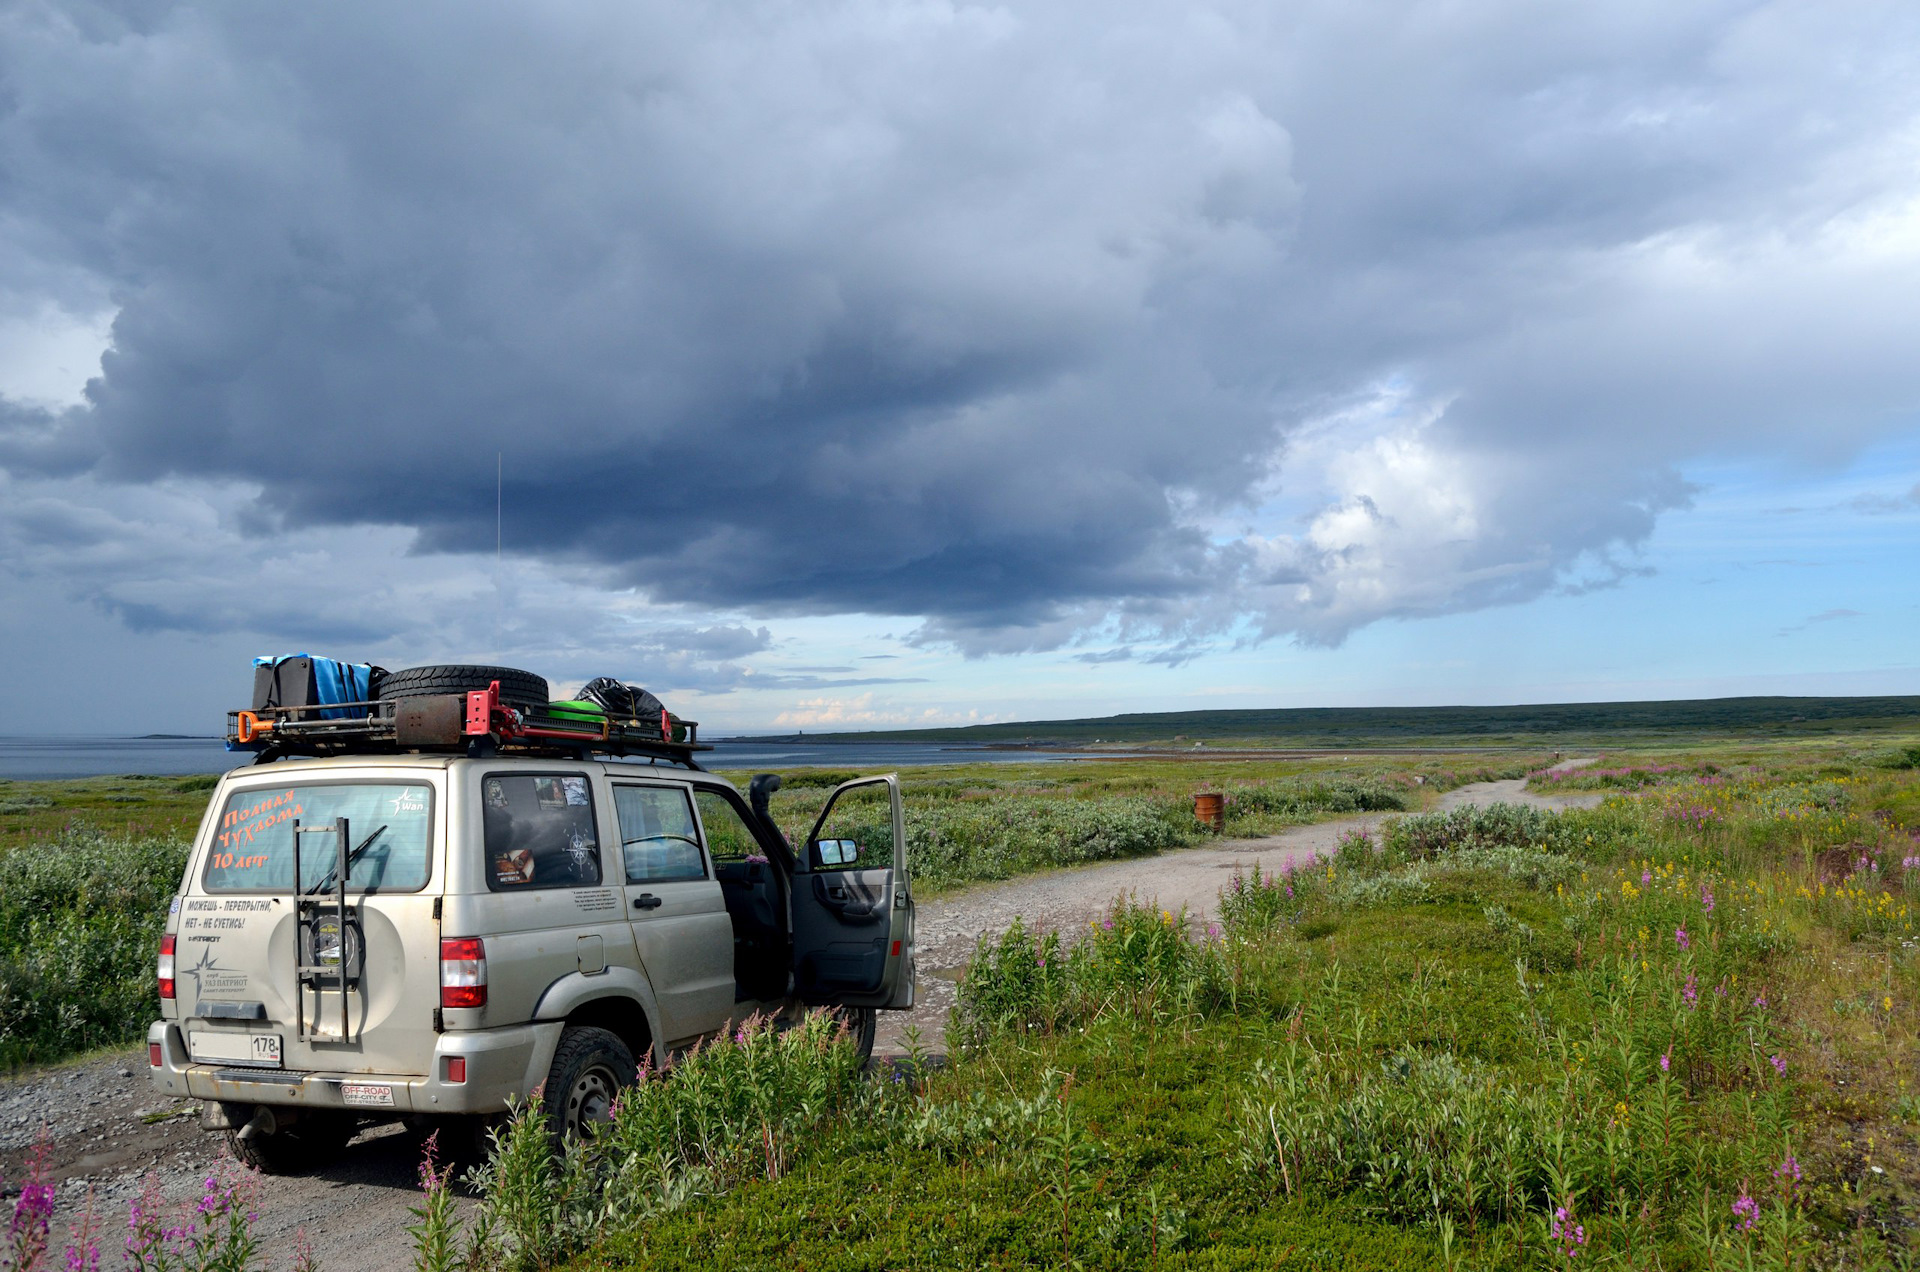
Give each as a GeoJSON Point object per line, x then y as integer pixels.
{"type": "Point", "coordinates": [286, 683]}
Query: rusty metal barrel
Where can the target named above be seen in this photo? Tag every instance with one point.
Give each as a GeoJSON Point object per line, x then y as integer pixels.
{"type": "Point", "coordinates": [1211, 808]}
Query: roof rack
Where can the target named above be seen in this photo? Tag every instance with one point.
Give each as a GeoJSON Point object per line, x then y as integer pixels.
{"type": "Point", "coordinates": [476, 724]}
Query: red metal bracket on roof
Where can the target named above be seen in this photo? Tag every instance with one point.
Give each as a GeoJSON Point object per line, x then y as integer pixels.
{"type": "Point", "coordinates": [481, 704]}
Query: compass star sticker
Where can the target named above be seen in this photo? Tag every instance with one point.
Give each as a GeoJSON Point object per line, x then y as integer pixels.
{"type": "Point", "coordinates": [205, 965]}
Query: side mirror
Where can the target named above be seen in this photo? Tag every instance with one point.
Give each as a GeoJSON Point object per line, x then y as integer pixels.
{"type": "Point", "coordinates": [836, 852]}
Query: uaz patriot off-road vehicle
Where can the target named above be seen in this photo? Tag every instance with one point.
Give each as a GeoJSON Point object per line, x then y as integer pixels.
{"type": "Point", "coordinates": [429, 919]}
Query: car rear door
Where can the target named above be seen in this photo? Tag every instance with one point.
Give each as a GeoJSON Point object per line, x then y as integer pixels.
{"type": "Point", "coordinates": [674, 903]}
{"type": "Point", "coordinates": [261, 962]}
{"type": "Point", "coordinates": [852, 900]}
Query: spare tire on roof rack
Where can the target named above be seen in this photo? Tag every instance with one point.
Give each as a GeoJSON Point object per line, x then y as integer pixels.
{"type": "Point", "coordinates": [519, 688]}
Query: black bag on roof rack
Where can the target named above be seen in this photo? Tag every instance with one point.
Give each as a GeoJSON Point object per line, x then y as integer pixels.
{"type": "Point", "coordinates": [622, 700]}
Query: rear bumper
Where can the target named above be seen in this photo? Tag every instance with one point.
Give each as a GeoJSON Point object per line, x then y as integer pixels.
{"type": "Point", "coordinates": [503, 1066]}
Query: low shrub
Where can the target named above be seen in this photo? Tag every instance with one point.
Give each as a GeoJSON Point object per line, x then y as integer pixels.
{"type": "Point", "coordinates": [1307, 800]}
{"type": "Point", "coordinates": [1429, 836]}
{"type": "Point", "coordinates": [80, 921]}
{"type": "Point", "coordinates": [1137, 961]}
{"type": "Point", "coordinates": [965, 841]}
{"type": "Point", "coordinates": [739, 1108]}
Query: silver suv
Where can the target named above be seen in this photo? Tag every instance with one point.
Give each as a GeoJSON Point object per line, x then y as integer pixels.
{"type": "Point", "coordinates": [434, 937]}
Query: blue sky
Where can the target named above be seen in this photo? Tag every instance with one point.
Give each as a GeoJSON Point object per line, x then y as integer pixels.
{"type": "Point", "coordinates": [887, 362]}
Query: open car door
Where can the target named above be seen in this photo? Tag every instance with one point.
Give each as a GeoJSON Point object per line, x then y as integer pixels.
{"type": "Point", "coordinates": [852, 906]}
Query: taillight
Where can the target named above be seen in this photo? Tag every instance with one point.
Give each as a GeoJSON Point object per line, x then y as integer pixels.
{"type": "Point", "coordinates": [463, 972]}
{"type": "Point", "coordinates": [166, 966]}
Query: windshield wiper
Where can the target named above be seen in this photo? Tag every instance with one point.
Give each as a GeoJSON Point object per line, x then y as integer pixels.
{"type": "Point", "coordinates": [352, 857]}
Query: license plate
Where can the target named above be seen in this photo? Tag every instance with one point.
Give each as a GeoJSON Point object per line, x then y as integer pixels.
{"type": "Point", "coordinates": [367, 1095]}
{"type": "Point", "coordinates": [218, 1046]}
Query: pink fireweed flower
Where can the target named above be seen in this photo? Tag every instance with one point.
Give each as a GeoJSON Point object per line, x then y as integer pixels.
{"type": "Point", "coordinates": [1690, 992]}
{"type": "Point", "coordinates": [1680, 938]}
{"type": "Point", "coordinates": [33, 1213]}
{"type": "Point", "coordinates": [1646, 878]}
{"type": "Point", "coordinates": [1746, 1211]}
{"type": "Point", "coordinates": [1787, 1172]}
{"type": "Point", "coordinates": [1570, 1236]}
{"type": "Point", "coordinates": [431, 1174]}
{"type": "Point", "coordinates": [1666, 1059]}
{"type": "Point", "coordinates": [1779, 1067]}
{"type": "Point", "coordinates": [1289, 892]}
{"type": "Point", "coordinates": [1760, 1001]}
{"type": "Point", "coordinates": [1706, 897]}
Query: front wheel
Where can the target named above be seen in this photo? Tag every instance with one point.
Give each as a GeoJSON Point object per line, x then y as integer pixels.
{"type": "Point", "coordinates": [860, 1023]}
{"type": "Point", "coordinates": [590, 1069]}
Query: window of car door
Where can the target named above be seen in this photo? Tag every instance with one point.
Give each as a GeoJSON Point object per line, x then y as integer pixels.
{"type": "Point", "coordinates": [539, 831]}
{"type": "Point", "coordinates": [729, 842]}
{"type": "Point", "coordinates": [659, 840]}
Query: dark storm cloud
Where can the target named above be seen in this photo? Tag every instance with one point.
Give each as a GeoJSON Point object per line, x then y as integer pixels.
{"type": "Point", "coordinates": [985, 315]}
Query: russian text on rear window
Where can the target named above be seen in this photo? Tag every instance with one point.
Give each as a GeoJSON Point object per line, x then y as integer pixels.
{"type": "Point", "coordinates": [388, 838]}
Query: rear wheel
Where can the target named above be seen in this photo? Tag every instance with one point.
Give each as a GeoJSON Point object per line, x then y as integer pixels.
{"type": "Point", "coordinates": [522, 688]}
{"type": "Point", "coordinates": [302, 1147]}
{"type": "Point", "coordinates": [590, 1069]}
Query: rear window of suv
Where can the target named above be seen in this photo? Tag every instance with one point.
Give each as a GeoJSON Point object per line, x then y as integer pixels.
{"type": "Point", "coordinates": [388, 825]}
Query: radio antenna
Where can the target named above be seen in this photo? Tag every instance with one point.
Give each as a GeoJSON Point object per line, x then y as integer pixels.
{"type": "Point", "coordinates": [499, 507]}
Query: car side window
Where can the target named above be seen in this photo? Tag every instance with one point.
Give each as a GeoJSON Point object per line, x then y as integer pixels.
{"type": "Point", "coordinates": [728, 838]}
{"type": "Point", "coordinates": [539, 831]}
{"type": "Point", "coordinates": [658, 839]}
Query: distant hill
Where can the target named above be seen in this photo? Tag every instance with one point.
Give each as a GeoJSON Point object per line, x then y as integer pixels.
{"type": "Point", "coordinates": [1346, 726]}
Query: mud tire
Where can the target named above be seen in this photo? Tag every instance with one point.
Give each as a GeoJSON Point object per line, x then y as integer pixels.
{"type": "Point", "coordinates": [521, 688]}
{"type": "Point", "coordinates": [466, 1140]}
{"type": "Point", "coordinates": [590, 1067]}
{"type": "Point", "coordinates": [313, 1142]}
{"type": "Point", "coordinates": [861, 1023]}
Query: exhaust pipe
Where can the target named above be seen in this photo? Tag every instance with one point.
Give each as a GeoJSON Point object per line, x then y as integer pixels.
{"type": "Point", "coordinates": [261, 1123]}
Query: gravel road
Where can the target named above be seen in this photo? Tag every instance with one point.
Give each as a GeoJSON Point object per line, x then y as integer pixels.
{"type": "Point", "coordinates": [106, 1132]}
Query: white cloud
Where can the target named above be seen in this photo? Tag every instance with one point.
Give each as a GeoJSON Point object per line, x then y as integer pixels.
{"type": "Point", "coordinates": [864, 711]}
{"type": "Point", "coordinates": [48, 354]}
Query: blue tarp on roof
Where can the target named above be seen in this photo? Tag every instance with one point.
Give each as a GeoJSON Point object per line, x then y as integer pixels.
{"type": "Point", "coordinates": [333, 681]}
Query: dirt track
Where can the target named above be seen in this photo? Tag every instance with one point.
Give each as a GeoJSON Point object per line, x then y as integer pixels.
{"type": "Point", "coordinates": [107, 1131]}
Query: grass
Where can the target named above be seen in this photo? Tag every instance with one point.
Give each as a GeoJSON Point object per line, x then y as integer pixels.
{"type": "Point", "coordinates": [1635, 1036]}
{"type": "Point", "coordinates": [133, 806]}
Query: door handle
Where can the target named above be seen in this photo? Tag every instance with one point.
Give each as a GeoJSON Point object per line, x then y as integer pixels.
{"type": "Point", "coordinates": [646, 901]}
